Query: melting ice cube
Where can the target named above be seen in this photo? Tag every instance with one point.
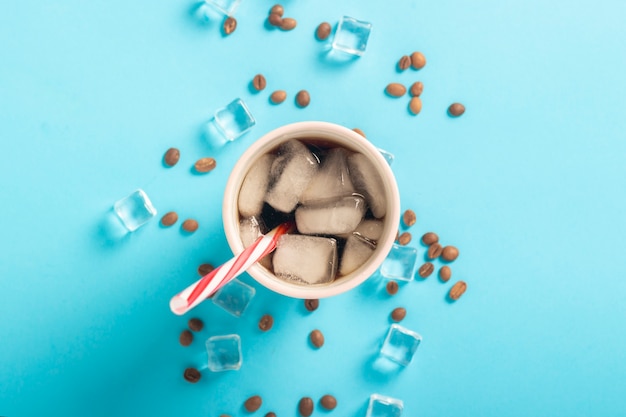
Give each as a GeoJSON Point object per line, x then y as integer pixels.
{"type": "Point", "coordinates": [332, 178]}
{"type": "Point", "coordinates": [254, 187]}
{"type": "Point", "coordinates": [330, 217]}
{"type": "Point", "coordinates": [224, 352]}
{"type": "Point", "coordinates": [305, 259]}
{"type": "Point", "coordinates": [134, 210]}
{"type": "Point", "coordinates": [355, 253]}
{"type": "Point", "coordinates": [367, 182]}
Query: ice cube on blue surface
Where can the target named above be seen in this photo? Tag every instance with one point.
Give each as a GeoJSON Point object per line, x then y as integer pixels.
{"type": "Point", "coordinates": [234, 297]}
{"type": "Point", "coordinates": [400, 344]}
{"type": "Point", "coordinates": [399, 263]}
{"type": "Point", "coordinates": [383, 406]}
{"type": "Point", "coordinates": [227, 7]}
{"type": "Point", "coordinates": [224, 353]}
{"type": "Point", "coordinates": [134, 210]}
{"type": "Point", "coordinates": [351, 36]}
{"type": "Point", "coordinates": [387, 155]}
{"type": "Point", "coordinates": [233, 120]}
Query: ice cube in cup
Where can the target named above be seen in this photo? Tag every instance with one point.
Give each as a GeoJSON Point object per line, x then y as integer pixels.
{"type": "Point", "coordinates": [332, 178]}
{"type": "Point", "coordinates": [227, 7]}
{"type": "Point", "coordinates": [399, 263]}
{"type": "Point", "coordinates": [305, 259]}
{"type": "Point", "coordinates": [400, 345]}
{"type": "Point", "coordinates": [233, 120]}
{"type": "Point", "coordinates": [234, 297]}
{"type": "Point", "coordinates": [224, 353]}
{"type": "Point", "coordinates": [384, 406]}
{"type": "Point", "coordinates": [351, 36]}
{"type": "Point", "coordinates": [134, 210]}
{"type": "Point", "coordinates": [254, 187]}
{"type": "Point", "coordinates": [330, 217]}
{"type": "Point", "coordinates": [356, 251]}
{"type": "Point", "coordinates": [368, 182]}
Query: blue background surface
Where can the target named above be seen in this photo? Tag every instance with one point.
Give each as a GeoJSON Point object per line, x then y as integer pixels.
{"type": "Point", "coordinates": [529, 184]}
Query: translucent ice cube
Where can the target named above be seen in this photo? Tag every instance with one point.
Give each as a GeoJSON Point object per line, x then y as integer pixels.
{"type": "Point", "coordinates": [351, 36]}
{"type": "Point", "coordinates": [332, 178]}
{"type": "Point", "coordinates": [254, 187]}
{"type": "Point", "coordinates": [224, 353]}
{"type": "Point", "coordinates": [234, 297]}
{"type": "Point", "coordinates": [305, 259]}
{"type": "Point", "coordinates": [233, 120]}
{"type": "Point", "coordinates": [227, 7]}
{"type": "Point", "coordinates": [383, 406]}
{"type": "Point", "coordinates": [400, 344]}
{"type": "Point", "coordinates": [355, 253]}
{"type": "Point", "coordinates": [134, 210]}
{"type": "Point", "coordinates": [387, 155]}
{"type": "Point", "coordinates": [330, 217]}
{"type": "Point", "coordinates": [250, 228]}
{"type": "Point", "coordinates": [290, 174]}
{"type": "Point", "coordinates": [368, 182]}
{"type": "Point", "coordinates": [399, 263]}
{"type": "Point", "coordinates": [370, 229]}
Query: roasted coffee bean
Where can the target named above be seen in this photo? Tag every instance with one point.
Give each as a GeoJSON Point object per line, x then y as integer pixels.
{"type": "Point", "coordinates": [409, 218]}
{"type": "Point", "coordinates": [305, 406]}
{"type": "Point", "coordinates": [328, 402]}
{"type": "Point", "coordinates": [395, 89]}
{"type": "Point", "coordinates": [225, 415]}
{"type": "Point", "coordinates": [303, 98]}
{"type": "Point", "coordinates": [205, 269]}
{"type": "Point", "coordinates": [204, 165]}
{"type": "Point", "coordinates": [278, 9]}
{"type": "Point", "coordinates": [415, 105]}
{"type": "Point", "coordinates": [195, 324]}
{"type": "Point", "coordinates": [426, 269]}
{"type": "Point", "coordinates": [192, 375]}
{"type": "Point", "coordinates": [253, 403]}
{"type": "Point", "coordinates": [404, 239]}
{"type": "Point", "coordinates": [434, 251]}
{"type": "Point", "coordinates": [311, 304]}
{"type": "Point", "coordinates": [278, 96]}
{"type": "Point", "coordinates": [185, 338]}
{"type": "Point", "coordinates": [230, 24]}
{"type": "Point", "coordinates": [416, 89]}
{"type": "Point", "coordinates": [275, 19]}
{"type": "Point", "coordinates": [392, 287]}
{"type": "Point", "coordinates": [430, 238]}
{"type": "Point", "coordinates": [445, 273]}
{"type": "Point", "coordinates": [323, 31]}
{"type": "Point", "coordinates": [169, 218]}
{"type": "Point", "coordinates": [404, 62]}
{"type": "Point", "coordinates": [171, 157]}
{"type": "Point", "coordinates": [190, 225]}
{"type": "Point", "coordinates": [317, 338]}
{"type": "Point", "coordinates": [359, 131]}
{"type": "Point", "coordinates": [457, 290]}
{"type": "Point", "coordinates": [288, 23]}
{"type": "Point", "coordinates": [270, 414]}
{"type": "Point", "coordinates": [418, 60]}
{"type": "Point", "coordinates": [456, 109]}
{"type": "Point", "coordinates": [266, 322]}
{"type": "Point", "coordinates": [450, 253]}
{"type": "Point", "coordinates": [259, 82]}
{"type": "Point", "coordinates": [398, 314]}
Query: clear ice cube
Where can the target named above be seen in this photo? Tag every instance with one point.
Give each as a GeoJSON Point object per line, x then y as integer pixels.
{"type": "Point", "coordinates": [234, 297]}
{"type": "Point", "coordinates": [400, 345]}
{"type": "Point", "coordinates": [134, 210]}
{"type": "Point", "coordinates": [368, 183]}
{"type": "Point", "coordinates": [383, 406]}
{"type": "Point", "coordinates": [356, 251]}
{"type": "Point", "coordinates": [351, 36]}
{"type": "Point", "coordinates": [227, 7]}
{"type": "Point", "coordinates": [330, 217]}
{"type": "Point", "coordinates": [370, 229]}
{"type": "Point", "coordinates": [305, 259]}
{"type": "Point", "coordinates": [332, 178]}
{"type": "Point", "coordinates": [233, 120]}
{"type": "Point", "coordinates": [250, 228]}
{"type": "Point", "coordinates": [224, 353]}
{"type": "Point", "coordinates": [254, 187]}
{"type": "Point", "coordinates": [387, 155]}
{"type": "Point", "coordinates": [399, 263]}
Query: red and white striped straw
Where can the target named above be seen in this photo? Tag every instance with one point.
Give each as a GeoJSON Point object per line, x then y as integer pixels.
{"type": "Point", "coordinates": [220, 276]}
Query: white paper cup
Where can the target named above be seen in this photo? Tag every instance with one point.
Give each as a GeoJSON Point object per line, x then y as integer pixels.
{"type": "Point", "coordinates": [332, 133]}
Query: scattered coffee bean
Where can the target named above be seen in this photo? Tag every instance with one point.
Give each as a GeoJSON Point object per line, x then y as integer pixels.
{"type": "Point", "coordinates": [317, 338]}
{"type": "Point", "coordinates": [409, 218]}
{"type": "Point", "coordinates": [404, 239]}
{"type": "Point", "coordinates": [190, 225]}
{"type": "Point", "coordinates": [445, 273]}
{"type": "Point", "coordinates": [323, 31]}
{"type": "Point", "coordinates": [305, 406]}
{"type": "Point", "coordinates": [253, 403]}
{"type": "Point", "coordinates": [434, 251]}
{"type": "Point", "coordinates": [185, 338]}
{"type": "Point", "coordinates": [359, 131]}
{"type": "Point", "coordinates": [426, 269]}
{"type": "Point", "coordinates": [192, 375]}
{"type": "Point", "coordinates": [395, 89]}
{"type": "Point", "coordinates": [195, 324]}
{"type": "Point", "coordinates": [398, 314]}
{"type": "Point", "coordinates": [278, 9]}
{"type": "Point", "coordinates": [230, 24]}
{"type": "Point", "coordinates": [311, 304]}
{"type": "Point", "coordinates": [266, 322]}
{"type": "Point", "coordinates": [270, 414]}
{"type": "Point", "coordinates": [430, 238]}
{"type": "Point", "coordinates": [171, 157]}
{"type": "Point", "coordinates": [278, 96]}
{"type": "Point", "coordinates": [415, 105]}
{"type": "Point", "coordinates": [404, 63]}
{"type": "Point", "coordinates": [275, 19]}
{"type": "Point", "coordinates": [303, 98]}
{"type": "Point", "coordinates": [457, 290]}
{"type": "Point", "coordinates": [204, 165]}
{"type": "Point", "coordinates": [205, 269]}
{"type": "Point", "coordinates": [456, 109]}
{"type": "Point", "coordinates": [328, 402]}
{"type": "Point", "coordinates": [259, 82]}
{"type": "Point", "coordinates": [169, 218]}
{"type": "Point", "coordinates": [418, 60]}
{"type": "Point", "coordinates": [288, 23]}
{"type": "Point", "coordinates": [416, 89]}
{"type": "Point", "coordinates": [450, 253]}
{"type": "Point", "coordinates": [392, 287]}
{"type": "Point", "coordinates": [225, 415]}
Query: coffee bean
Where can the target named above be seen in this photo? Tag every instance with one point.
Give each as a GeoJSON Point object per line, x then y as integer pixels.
{"type": "Point", "coordinates": [204, 165]}
{"type": "Point", "coordinates": [288, 23]}
{"type": "Point", "coordinates": [392, 287]}
{"type": "Point", "coordinates": [328, 402]}
{"type": "Point", "coordinates": [311, 304]}
{"type": "Point", "coordinates": [457, 290]}
{"type": "Point", "coordinates": [270, 414]}
{"type": "Point", "coordinates": [305, 406]}
{"type": "Point", "coordinates": [205, 269]}
{"type": "Point", "coordinates": [404, 239]}
{"type": "Point", "coordinates": [302, 98]}
{"type": "Point", "coordinates": [445, 273]}
{"type": "Point", "coordinates": [409, 218]}
{"type": "Point", "coordinates": [278, 9]}
{"type": "Point", "coordinates": [169, 218]}
{"type": "Point", "coordinates": [434, 251]}
{"type": "Point", "coordinates": [418, 60]}
{"type": "Point", "coordinates": [185, 338]}
{"type": "Point", "coordinates": [359, 131]}
{"type": "Point", "coordinates": [450, 253]}
{"type": "Point", "coordinates": [275, 19]}
{"type": "Point", "coordinates": [456, 109]}
{"type": "Point", "coordinates": [416, 89]}
{"type": "Point", "coordinates": [317, 338]}
{"type": "Point", "coordinates": [398, 314]}
{"type": "Point", "coordinates": [404, 62]}
{"type": "Point", "coordinates": [323, 31]}
{"type": "Point", "coordinates": [190, 225]}
{"type": "Point", "coordinates": [415, 105]}
{"type": "Point", "coordinates": [426, 269]}
{"type": "Point", "coordinates": [278, 96]}
{"type": "Point", "coordinates": [253, 403]}
{"type": "Point", "coordinates": [266, 322]}
{"type": "Point", "coordinates": [230, 24]}
{"type": "Point", "coordinates": [259, 82]}
{"type": "Point", "coordinates": [171, 157]}
{"type": "Point", "coordinates": [195, 324]}
{"type": "Point", "coordinates": [395, 89]}
{"type": "Point", "coordinates": [430, 238]}
{"type": "Point", "coordinates": [192, 375]}
{"type": "Point", "coordinates": [225, 415]}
